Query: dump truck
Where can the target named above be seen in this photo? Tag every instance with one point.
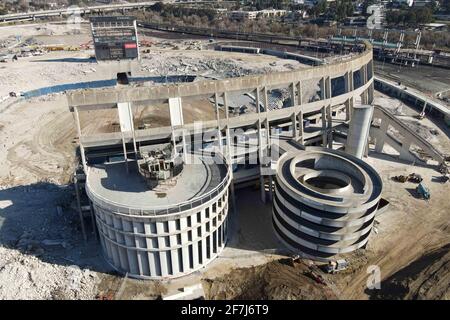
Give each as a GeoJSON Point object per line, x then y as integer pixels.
{"type": "Point", "coordinates": [336, 266]}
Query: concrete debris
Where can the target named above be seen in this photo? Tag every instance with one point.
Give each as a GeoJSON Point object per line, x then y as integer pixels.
{"type": "Point", "coordinates": [224, 68]}
{"type": "Point", "coordinates": [26, 277]}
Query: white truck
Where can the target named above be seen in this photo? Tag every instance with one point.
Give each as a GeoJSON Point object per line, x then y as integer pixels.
{"type": "Point", "coordinates": [336, 266]}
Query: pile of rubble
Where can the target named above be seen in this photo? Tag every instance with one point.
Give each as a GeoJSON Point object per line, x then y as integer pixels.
{"type": "Point", "coordinates": [27, 277]}
{"type": "Point", "coordinates": [213, 67]}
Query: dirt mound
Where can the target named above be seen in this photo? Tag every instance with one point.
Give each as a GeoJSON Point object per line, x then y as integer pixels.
{"type": "Point", "coordinates": [427, 278]}
{"type": "Point", "coordinates": [273, 281]}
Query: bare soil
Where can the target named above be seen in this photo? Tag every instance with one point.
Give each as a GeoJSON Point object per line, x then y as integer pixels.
{"type": "Point", "coordinates": [426, 278]}
{"type": "Point", "coordinates": [276, 280]}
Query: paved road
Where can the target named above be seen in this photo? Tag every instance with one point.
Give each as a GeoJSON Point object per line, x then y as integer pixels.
{"type": "Point", "coordinates": [424, 78]}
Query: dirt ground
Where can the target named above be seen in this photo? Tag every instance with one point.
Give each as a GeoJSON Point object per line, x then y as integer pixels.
{"type": "Point", "coordinates": [274, 280]}
{"type": "Point", "coordinates": [38, 142]}
{"type": "Point", "coordinates": [427, 278]}
{"type": "Point", "coordinates": [410, 228]}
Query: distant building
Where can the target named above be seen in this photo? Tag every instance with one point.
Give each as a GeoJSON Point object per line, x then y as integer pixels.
{"type": "Point", "coordinates": [243, 15]}
{"type": "Point", "coordinates": [434, 26]}
{"type": "Point", "coordinates": [309, 3]}
{"type": "Point", "coordinates": [272, 13]}
{"type": "Point", "coordinates": [423, 3]}
{"type": "Point", "coordinates": [409, 3]}
{"type": "Point", "coordinates": [252, 15]}
{"type": "Point", "coordinates": [355, 21]}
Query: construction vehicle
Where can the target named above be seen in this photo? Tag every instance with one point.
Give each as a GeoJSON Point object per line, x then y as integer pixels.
{"type": "Point", "coordinates": [71, 48]}
{"type": "Point", "coordinates": [413, 177]}
{"type": "Point", "coordinates": [313, 274]}
{"type": "Point", "coordinates": [336, 266]}
{"type": "Point", "coordinates": [54, 48]}
{"type": "Point", "coordinates": [400, 178]}
{"type": "Point", "coordinates": [423, 191]}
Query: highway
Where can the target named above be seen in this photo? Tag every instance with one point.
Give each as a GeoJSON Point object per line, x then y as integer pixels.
{"type": "Point", "coordinates": [74, 10]}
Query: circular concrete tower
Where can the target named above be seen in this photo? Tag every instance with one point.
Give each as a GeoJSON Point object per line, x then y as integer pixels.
{"type": "Point", "coordinates": [325, 202]}
{"type": "Point", "coordinates": [162, 230]}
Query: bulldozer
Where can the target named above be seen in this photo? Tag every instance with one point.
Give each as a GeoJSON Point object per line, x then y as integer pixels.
{"type": "Point", "coordinates": [413, 177]}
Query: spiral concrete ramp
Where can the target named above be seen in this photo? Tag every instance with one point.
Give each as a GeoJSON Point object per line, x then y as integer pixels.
{"type": "Point", "coordinates": [325, 202]}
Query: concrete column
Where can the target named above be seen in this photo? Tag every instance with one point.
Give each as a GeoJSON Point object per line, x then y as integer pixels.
{"type": "Point", "coordinates": [328, 87]}
{"type": "Point", "coordinates": [257, 100]}
{"type": "Point", "coordinates": [322, 89]}
{"type": "Point", "coordinates": [294, 125]}
{"type": "Point", "coordinates": [228, 155]}
{"type": "Point", "coordinates": [424, 107]}
{"type": "Point", "coordinates": [94, 225]}
{"type": "Point", "coordinates": [266, 100]}
{"type": "Point", "coordinates": [370, 93]}
{"type": "Point", "coordinates": [364, 98]}
{"type": "Point", "coordinates": [364, 74]}
{"type": "Point", "coordinates": [292, 88]}
{"type": "Point", "coordinates": [404, 152]}
{"type": "Point", "coordinates": [299, 93]}
{"type": "Point", "coordinates": [301, 130]}
{"type": "Point", "coordinates": [347, 110]}
{"type": "Point", "coordinates": [203, 243]}
{"type": "Point", "coordinates": [324, 126]}
{"type": "Point", "coordinates": [267, 126]}
{"type": "Point", "coordinates": [365, 94]}
{"type": "Point", "coordinates": [152, 261]}
{"type": "Point", "coordinates": [184, 145]}
{"type": "Point", "coordinates": [211, 243]}
{"type": "Point", "coordinates": [358, 132]}
{"type": "Point", "coordinates": [80, 212]}
{"type": "Point", "coordinates": [329, 127]}
{"type": "Point", "coordinates": [219, 134]}
{"type": "Point", "coordinates": [195, 248]}
{"type": "Point", "coordinates": [225, 106]}
{"type": "Point", "coordinates": [381, 136]}
{"type": "Point", "coordinates": [174, 258]}
{"type": "Point", "coordinates": [217, 236]}
{"type": "Point", "coordinates": [125, 151]}
{"type": "Point", "coordinates": [260, 140]}
{"type": "Point", "coordinates": [348, 81]}
{"type": "Point", "coordinates": [78, 125]}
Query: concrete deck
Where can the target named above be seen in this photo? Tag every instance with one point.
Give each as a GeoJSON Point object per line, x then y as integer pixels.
{"type": "Point", "coordinates": [111, 181]}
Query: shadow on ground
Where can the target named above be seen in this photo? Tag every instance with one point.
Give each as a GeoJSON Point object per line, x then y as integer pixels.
{"type": "Point", "coordinates": [71, 60]}
{"type": "Point", "coordinates": [424, 278]}
{"type": "Point", "coordinates": [251, 226]}
{"type": "Point", "coordinates": [31, 223]}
